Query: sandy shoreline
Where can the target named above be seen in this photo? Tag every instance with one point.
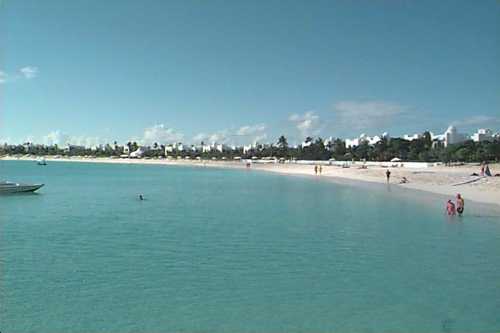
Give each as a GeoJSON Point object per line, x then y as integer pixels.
{"type": "Point", "coordinates": [436, 179]}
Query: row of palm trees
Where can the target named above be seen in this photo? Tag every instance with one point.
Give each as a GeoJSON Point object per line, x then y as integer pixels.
{"type": "Point", "coordinates": [422, 149]}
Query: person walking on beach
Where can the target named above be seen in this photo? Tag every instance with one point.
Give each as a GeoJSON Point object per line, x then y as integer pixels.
{"type": "Point", "coordinates": [388, 174]}
{"type": "Point", "coordinates": [315, 169]}
{"type": "Point", "coordinates": [460, 204]}
{"type": "Point", "coordinates": [320, 169]}
{"type": "Point", "coordinates": [482, 169]}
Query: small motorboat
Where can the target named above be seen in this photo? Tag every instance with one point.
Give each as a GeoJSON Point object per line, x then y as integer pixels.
{"type": "Point", "coordinates": [41, 161]}
{"type": "Point", "coordinates": [10, 187]}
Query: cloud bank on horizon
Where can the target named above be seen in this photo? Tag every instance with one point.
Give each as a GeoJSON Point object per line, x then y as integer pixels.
{"type": "Point", "coordinates": [358, 115]}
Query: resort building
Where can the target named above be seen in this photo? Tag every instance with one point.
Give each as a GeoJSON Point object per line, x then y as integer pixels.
{"type": "Point", "coordinates": [139, 153]}
{"type": "Point", "coordinates": [452, 136]}
{"type": "Point", "coordinates": [412, 137]}
{"type": "Point", "coordinates": [222, 148]}
{"type": "Point", "coordinates": [364, 138]}
{"type": "Point", "coordinates": [482, 134]}
{"type": "Point", "coordinates": [248, 148]}
{"type": "Point", "coordinates": [206, 148]}
{"type": "Point", "coordinates": [74, 149]}
{"type": "Point", "coordinates": [306, 144]}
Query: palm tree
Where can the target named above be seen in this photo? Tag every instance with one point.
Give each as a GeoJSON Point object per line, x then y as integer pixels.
{"type": "Point", "coordinates": [282, 142]}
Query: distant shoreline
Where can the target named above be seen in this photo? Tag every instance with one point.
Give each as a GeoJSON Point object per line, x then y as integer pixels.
{"type": "Point", "coordinates": [435, 179]}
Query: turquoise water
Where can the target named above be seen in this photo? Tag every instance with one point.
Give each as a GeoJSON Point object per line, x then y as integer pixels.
{"type": "Point", "coordinates": [237, 251]}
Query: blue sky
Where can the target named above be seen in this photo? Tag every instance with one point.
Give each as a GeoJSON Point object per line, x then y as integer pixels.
{"type": "Point", "coordinates": [236, 71]}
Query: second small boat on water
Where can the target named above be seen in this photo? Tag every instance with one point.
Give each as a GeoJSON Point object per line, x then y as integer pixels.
{"type": "Point", "coordinates": [10, 187]}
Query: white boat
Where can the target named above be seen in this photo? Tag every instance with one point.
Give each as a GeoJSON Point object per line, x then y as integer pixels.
{"type": "Point", "coordinates": [10, 187]}
{"type": "Point", "coordinates": [41, 161]}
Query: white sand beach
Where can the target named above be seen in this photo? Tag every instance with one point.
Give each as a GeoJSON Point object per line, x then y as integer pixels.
{"type": "Point", "coordinates": [436, 179]}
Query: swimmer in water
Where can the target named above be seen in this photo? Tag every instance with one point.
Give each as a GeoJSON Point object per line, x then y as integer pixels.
{"type": "Point", "coordinates": [141, 197]}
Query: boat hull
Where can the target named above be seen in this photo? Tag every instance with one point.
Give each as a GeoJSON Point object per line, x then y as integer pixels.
{"type": "Point", "coordinates": [19, 188]}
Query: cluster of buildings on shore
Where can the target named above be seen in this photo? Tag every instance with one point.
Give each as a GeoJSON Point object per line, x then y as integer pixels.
{"type": "Point", "coordinates": [133, 150]}
{"type": "Point", "coordinates": [449, 137]}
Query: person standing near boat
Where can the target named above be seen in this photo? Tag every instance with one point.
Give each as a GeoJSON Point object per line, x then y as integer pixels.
{"type": "Point", "coordinates": [460, 204]}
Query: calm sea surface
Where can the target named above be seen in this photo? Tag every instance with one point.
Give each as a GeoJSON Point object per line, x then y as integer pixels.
{"type": "Point", "coordinates": [237, 251]}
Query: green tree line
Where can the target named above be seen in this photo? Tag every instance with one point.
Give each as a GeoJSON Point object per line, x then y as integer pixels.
{"type": "Point", "coordinates": [418, 150]}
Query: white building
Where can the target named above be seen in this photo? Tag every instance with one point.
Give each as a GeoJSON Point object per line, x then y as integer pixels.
{"type": "Point", "coordinates": [412, 137]}
{"type": "Point", "coordinates": [206, 148]}
{"type": "Point", "coordinates": [371, 140]}
{"type": "Point", "coordinates": [247, 148]}
{"type": "Point", "coordinates": [139, 153]}
{"type": "Point", "coordinates": [306, 144]}
{"type": "Point", "coordinates": [179, 146]}
{"type": "Point", "coordinates": [482, 134]}
{"type": "Point", "coordinates": [452, 136]}
{"type": "Point", "coordinates": [221, 147]}
{"type": "Point", "coordinates": [169, 149]}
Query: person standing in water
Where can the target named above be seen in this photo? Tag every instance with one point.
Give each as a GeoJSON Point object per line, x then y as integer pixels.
{"type": "Point", "coordinates": [460, 204]}
{"type": "Point", "coordinates": [450, 208]}
{"type": "Point", "coordinates": [388, 174]}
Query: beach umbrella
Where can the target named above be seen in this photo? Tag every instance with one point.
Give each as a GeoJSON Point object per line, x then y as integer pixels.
{"type": "Point", "coordinates": [395, 159]}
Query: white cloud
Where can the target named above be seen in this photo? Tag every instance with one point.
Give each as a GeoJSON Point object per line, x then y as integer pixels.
{"type": "Point", "coordinates": [161, 134]}
{"type": "Point", "coordinates": [29, 72]}
{"type": "Point", "coordinates": [56, 138]}
{"type": "Point", "coordinates": [3, 77]}
{"type": "Point", "coordinates": [252, 133]}
{"type": "Point", "coordinates": [244, 134]}
{"type": "Point", "coordinates": [367, 115]}
{"type": "Point", "coordinates": [477, 121]}
{"type": "Point", "coordinates": [307, 124]}
{"type": "Point", "coordinates": [251, 129]}
{"type": "Point", "coordinates": [218, 137]}
{"type": "Point", "coordinates": [86, 141]}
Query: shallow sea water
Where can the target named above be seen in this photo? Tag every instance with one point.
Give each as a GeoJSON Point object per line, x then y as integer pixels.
{"type": "Point", "coordinates": [213, 250]}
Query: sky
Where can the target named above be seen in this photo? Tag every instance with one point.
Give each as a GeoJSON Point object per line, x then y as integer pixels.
{"type": "Point", "coordinates": [92, 71]}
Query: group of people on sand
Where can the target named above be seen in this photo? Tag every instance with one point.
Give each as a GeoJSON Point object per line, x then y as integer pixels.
{"type": "Point", "coordinates": [318, 169]}
{"type": "Point", "coordinates": [403, 180]}
{"type": "Point", "coordinates": [453, 209]}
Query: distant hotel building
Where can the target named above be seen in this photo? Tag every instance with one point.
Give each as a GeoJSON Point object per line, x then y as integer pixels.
{"type": "Point", "coordinates": [449, 137]}
{"type": "Point", "coordinates": [483, 135]}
